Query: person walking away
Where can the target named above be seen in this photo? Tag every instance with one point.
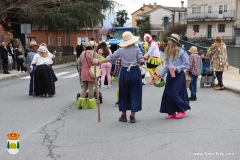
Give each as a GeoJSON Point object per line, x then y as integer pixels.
{"type": "Point", "coordinates": [19, 58]}
{"type": "Point", "coordinates": [194, 70]}
{"type": "Point", "coordinates": [105, 67]}
{"type": "Point", "coordinates": [4, 57]}
{"type": "Point", "coordinates": [175, 96]}
{"type": "Point", "coordinates": [85, 62]}
{"type": "Point", "coordinates": [33, 46]}
{"type": "Point", "coordinates": [79, 50]}
{"type": "Point", "coordinates": [152, 56]}
{"type": "Point", "coordinates": [43, 75]}
{"type": "Point", "coordinates": [130, 81]}
{"type": "Point", "coordinates": [218, 60]}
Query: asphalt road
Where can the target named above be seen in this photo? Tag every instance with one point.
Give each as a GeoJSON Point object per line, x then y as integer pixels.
{"type": "Point", "coordinates": [52, 128]}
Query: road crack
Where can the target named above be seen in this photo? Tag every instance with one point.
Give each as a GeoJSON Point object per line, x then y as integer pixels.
{"type": "Point", "coordinates": [51, 131]}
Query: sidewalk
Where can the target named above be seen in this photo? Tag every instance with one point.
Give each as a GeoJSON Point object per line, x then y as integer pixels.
{"type": "Point", "coordinates": [14, 73]}
{"type": "Point", "coordinates": [231, 78]}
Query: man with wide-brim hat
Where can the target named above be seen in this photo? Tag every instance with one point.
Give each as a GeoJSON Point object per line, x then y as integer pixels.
{"type": "Point", "coordinates": [33, 46]}
{"type": "Point", "coordinates": [130, 88]}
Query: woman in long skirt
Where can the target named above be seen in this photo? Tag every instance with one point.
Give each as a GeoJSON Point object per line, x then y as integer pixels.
{"type": "Point", "coordinates": [175, 96]}
{"type": "Point", "coordinates": [130, 81]}
{"type": "Point", "coordinates": [43, 74]}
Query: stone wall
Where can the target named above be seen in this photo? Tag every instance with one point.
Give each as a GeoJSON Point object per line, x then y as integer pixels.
{"type": "Point", "coordinates": [64, 59]}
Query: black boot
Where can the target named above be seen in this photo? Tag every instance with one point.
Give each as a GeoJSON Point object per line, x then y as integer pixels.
{"type": "Point", "coordinates": [192, 98]}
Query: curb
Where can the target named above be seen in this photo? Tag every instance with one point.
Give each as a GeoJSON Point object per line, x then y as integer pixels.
{"type": "Point", "coordinates": [25, 74]}
{"type": "Point", "coordinates": [232, 89]}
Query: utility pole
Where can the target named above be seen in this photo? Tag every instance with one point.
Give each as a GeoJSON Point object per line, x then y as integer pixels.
{"type": "Point", "coordinates": [173, 19]}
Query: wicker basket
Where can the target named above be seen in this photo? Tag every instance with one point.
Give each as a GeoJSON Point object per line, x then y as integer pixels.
{"type": "Point", "coordinates": [188, 80]}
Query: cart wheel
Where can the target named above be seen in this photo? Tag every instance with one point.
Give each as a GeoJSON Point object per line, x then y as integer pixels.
{"type": "Point", "coordinates": [78, 95]}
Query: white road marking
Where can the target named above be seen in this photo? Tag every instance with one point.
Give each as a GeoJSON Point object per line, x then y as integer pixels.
{"type": "Point", "coordinates": [71, 75]}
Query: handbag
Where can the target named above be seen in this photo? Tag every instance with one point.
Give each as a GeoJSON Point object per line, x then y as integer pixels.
{"type": "Point", "coordinates": [92, 69]}
{"type": "Point", "coordinates": [20, 56]}
{"type": "Point", "coordinates": [188, 80]}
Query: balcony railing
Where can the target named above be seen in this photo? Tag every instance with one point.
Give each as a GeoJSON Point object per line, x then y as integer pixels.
{"type": "Point", "coordinates": [212, 15]}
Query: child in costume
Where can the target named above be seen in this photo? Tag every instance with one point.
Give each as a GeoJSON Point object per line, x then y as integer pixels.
{"type": "Point", "coordinates": [130, 85]}
{"type": "Point", "coordinates": [152, 56]}
{"type": "Point", "coordinates": [194, 69]}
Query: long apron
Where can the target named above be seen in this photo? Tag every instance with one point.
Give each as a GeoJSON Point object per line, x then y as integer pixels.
{"type": "Point", "coordinates": [130, 89]}
{"type": "Point", "coordinates": [175, 96]}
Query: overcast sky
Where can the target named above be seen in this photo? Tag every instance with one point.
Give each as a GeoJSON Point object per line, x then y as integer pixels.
{"type": "Point", "coordinates": [133, 5]}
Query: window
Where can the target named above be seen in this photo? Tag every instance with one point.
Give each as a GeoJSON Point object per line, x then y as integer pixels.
{"type": "Point", "coordinates": [183, 16]}
{"type": "Point", "coordinates": [225, 8]}
{"type": "Point", "coordinates": [49, 39]}
{"type": "Point", "coordinates": [29, 39]}
{"type": "Point", "coordinates": [209, 9]}
{"type": "Point", "coordinates": [221, 28]}
{"type": "Point", "coordinates": [196, 10]}
{"type": "Point", "coordinates": [59, 41]}
{"type": "Point", "coordinates": [196, 28]}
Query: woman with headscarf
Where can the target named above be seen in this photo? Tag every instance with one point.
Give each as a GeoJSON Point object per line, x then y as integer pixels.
{"type": "Point", "coordinates": [43, 74]}
{"type": "Point", "coordinates": [130, 81]}
{"type": "Point", "coordinates": [175, 97]}
{"type": "Point", "coordinates": [218, 60]}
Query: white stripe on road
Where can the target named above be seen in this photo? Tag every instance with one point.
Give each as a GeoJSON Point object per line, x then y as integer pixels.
{"type": "Point", "coordinates": [71, 75]}
{"type": "Point", "coordinates": [61, 73]}
{"type": "Point", "coordinates": [27, 77]}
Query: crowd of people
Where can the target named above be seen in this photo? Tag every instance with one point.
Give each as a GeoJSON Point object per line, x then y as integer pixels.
{"type": "Point", "coordinates": [130, 60]}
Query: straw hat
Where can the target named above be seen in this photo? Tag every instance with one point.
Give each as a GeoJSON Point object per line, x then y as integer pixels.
{"type": "Point", "coordinates": [92, 43]}
{"type": "Point", "coordinates": [193, 49]}
{"type": "Point", "coordinates": [175, 37]}
{"type": "Point", "coordinates": [33, 43]}
{"type": "Point", "coordinates": [128, 39]}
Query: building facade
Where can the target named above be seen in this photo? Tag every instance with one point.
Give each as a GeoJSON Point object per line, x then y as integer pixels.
{"type": "Point", "coordinates": [163, 16]}
{"type": "Point", "coordinates": [207, 19]}
{"type": "Point", "coordinates": [142, 10]}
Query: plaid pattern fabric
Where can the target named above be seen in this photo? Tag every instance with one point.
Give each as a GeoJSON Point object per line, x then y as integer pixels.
{"type": "Point", "coordinates": [117, 66]}
{"type": "Point", "coordinates": [195, 63]}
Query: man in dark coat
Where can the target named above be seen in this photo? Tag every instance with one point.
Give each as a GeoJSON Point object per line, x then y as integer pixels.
{"type": "Point", "coordinates": [4, 57]}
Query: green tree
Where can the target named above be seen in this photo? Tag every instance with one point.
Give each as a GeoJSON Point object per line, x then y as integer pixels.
{"type": "Point", "coordinates": [60, 14]}
{"type": "Point", "coordinates": [121, 17]}
{"type": "Point", "coordinates": [144, 25]}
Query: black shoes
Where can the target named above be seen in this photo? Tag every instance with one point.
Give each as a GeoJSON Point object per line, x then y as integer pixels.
{"type": "Point", "coordinates": [132, 119]}
{"type": "Point", "coordinates": [192, 98]}
{"type": "Point", "coordinates": [6, 72]}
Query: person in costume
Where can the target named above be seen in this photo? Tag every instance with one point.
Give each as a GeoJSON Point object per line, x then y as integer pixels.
{"type": "Point", "coordinates": [152, 56]}
{"type": "Point", "coordinates": [130, 84]}
{"type": "Point", "coordinates": [105, 67]}
{"type": "Point", "coordinates": [43, 75]}
{"type": "Point", "coordinates": [85, 61]}
{"type": "Point", "coordinates": [145, 46]}
{"type": "Point", "coordinates": [175, 96]}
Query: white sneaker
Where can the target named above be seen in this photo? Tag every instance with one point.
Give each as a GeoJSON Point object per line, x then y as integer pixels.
{"type": "Point", "coordinates": [143, 81]}
{"type": "Point", "coordinates": [19, 71]}
{"type": "Point", "coordinates": [23, 72]}
{"type": "Point", "coordinates": [109, 86]}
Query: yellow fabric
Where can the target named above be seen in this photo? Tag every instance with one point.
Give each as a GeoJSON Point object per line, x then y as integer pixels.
{"type": "Point", "coordinates": [91, 103]}
{"type": "Point", "coordinates": [154, 60]}
{"type": "Point", "coordinates": [117, 94]}
{"type": "Point", "coordinates": [81, 102]}
{"type": "Point", "coordinates": [145, 46]}
{"type": "Point", "coordinates": [151, 71]}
